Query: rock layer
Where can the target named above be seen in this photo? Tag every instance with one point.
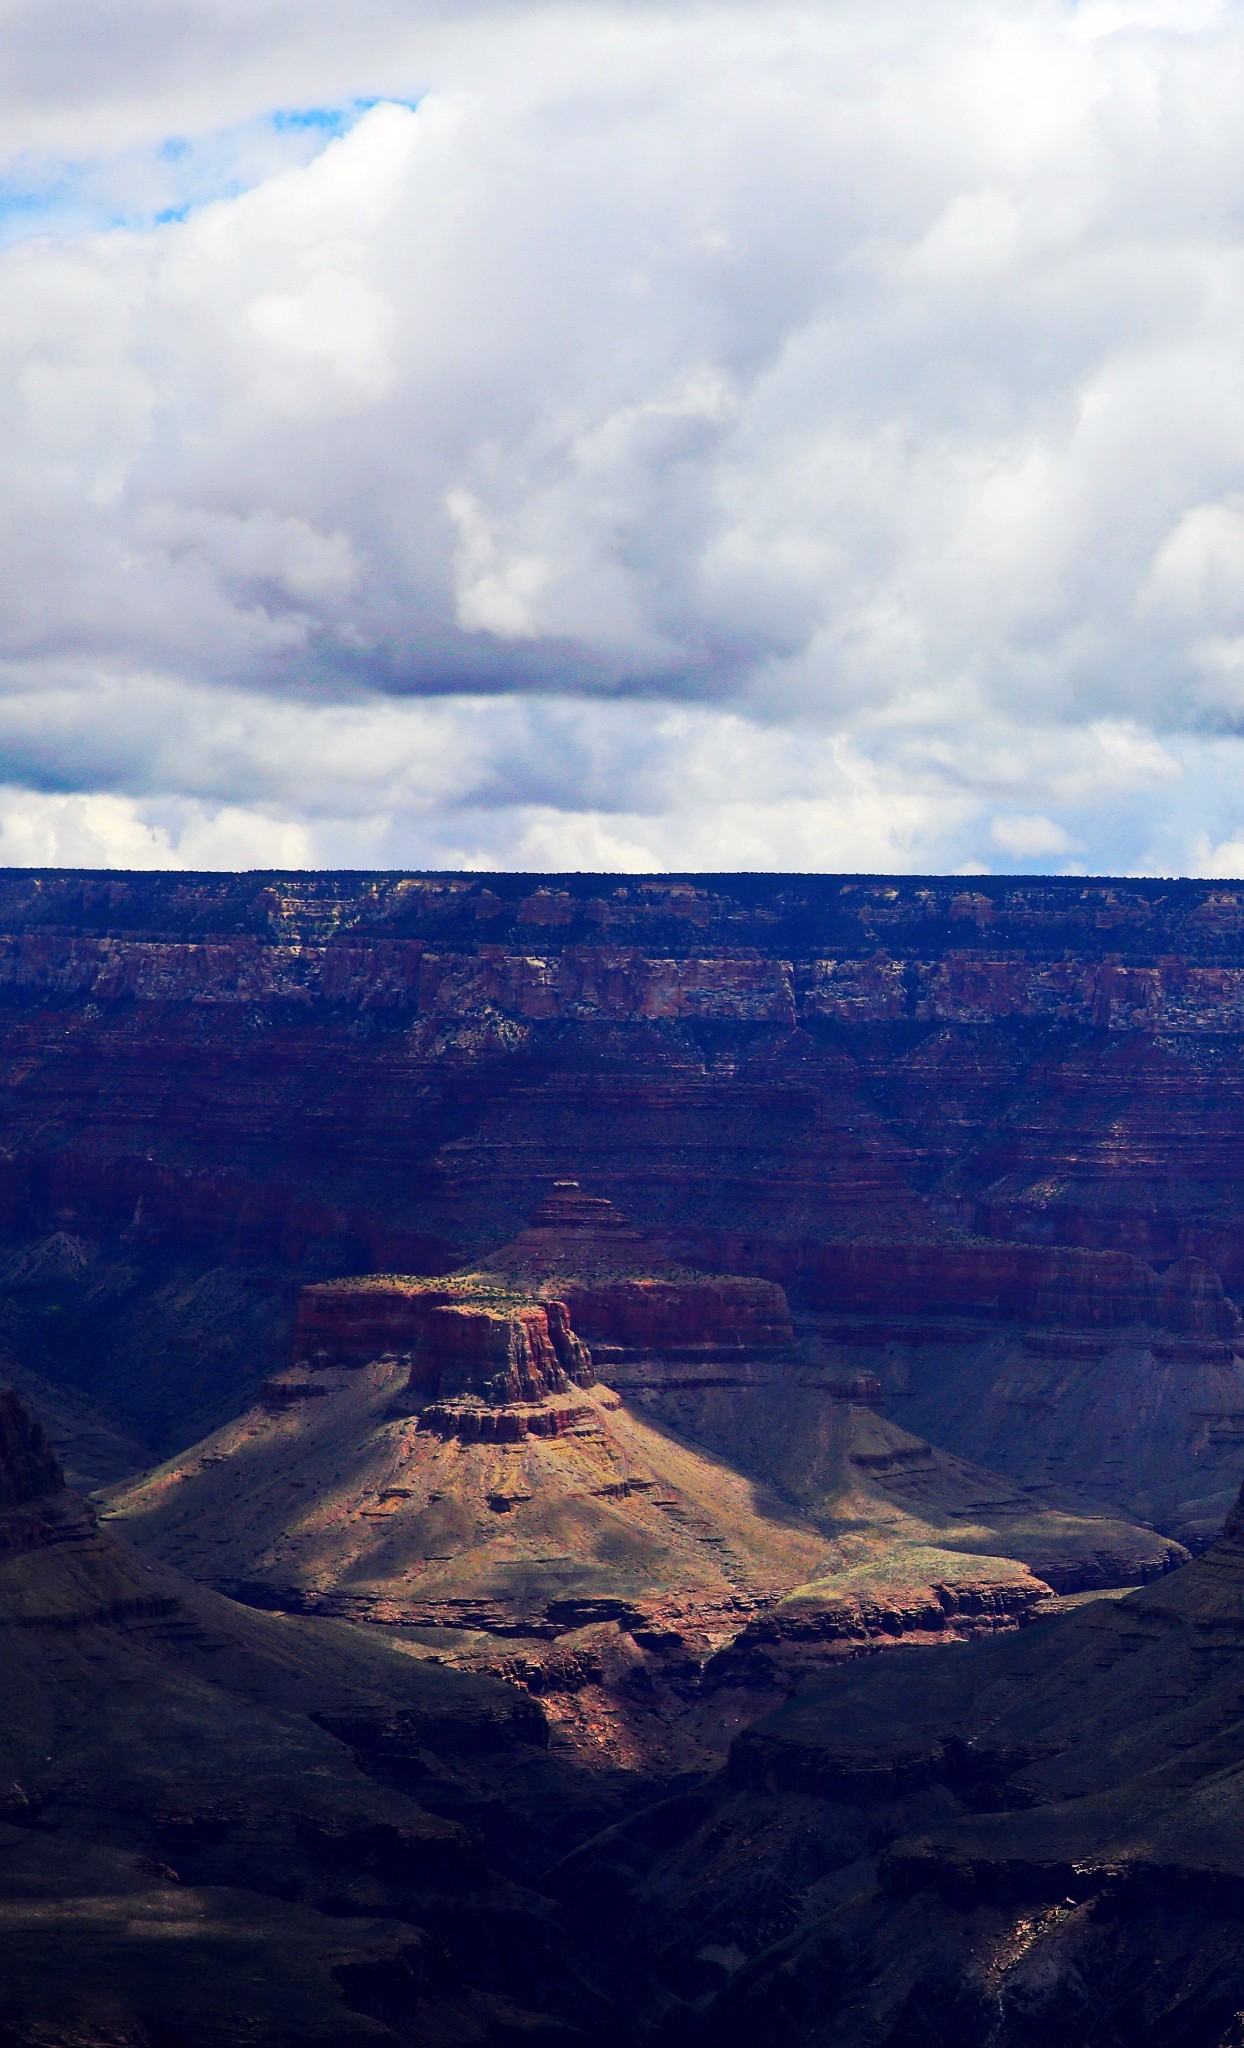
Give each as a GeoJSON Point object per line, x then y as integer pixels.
{"type": "Point", "coordinates": [1015, 1105]}
{"type": "Point", "coordinates": [462, 1339]}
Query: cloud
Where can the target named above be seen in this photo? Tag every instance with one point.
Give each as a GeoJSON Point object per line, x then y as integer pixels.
{"type": "Point", "coordinates": [1031, 837]}
{"type": "Point", "coordinates": [689, 434]}
{"type": "Point", "coordinates": [114, 832]}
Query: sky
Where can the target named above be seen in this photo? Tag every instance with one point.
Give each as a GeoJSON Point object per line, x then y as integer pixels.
{"type": "Point", "coordinates": [623, 434]}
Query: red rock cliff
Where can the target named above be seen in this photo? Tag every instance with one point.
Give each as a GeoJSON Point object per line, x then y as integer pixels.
{"type": "Point", "coordinates": [460, 1344]}
{"type": "Point", "coordinates": [352, 1073]}
{"type": "Point", "coordinates": [719, 1314]}
{"type": "Point", "coordinates": [1049, 1286]}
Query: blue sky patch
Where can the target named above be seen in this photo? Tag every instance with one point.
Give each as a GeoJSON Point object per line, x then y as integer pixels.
{"type": "Point", "coordinates": [168, 180]}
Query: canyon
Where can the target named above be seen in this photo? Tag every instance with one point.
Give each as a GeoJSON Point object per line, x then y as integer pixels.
{"type": "Point", "coordinates": [772, 1343]}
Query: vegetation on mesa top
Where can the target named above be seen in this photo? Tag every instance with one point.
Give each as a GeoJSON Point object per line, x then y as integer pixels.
{"type": "Point", "coordinates": [476, 1290]}
{"type": "Point", "coordinates": [493, 1290]}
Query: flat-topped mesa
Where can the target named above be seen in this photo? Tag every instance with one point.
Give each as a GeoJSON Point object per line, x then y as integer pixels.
{"type": "Point", "coordinates": [348, 1322]}
{"type": "Point", "coordinates": [518, 1329]}
{"type": "Point", "coordinates": [465, 1338]}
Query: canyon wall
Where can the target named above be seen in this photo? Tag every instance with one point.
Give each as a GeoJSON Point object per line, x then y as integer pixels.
{"type": "Point", "coordinates": [1000, 1100]}
{"type": "Point", "coordinates": [459, 1341]}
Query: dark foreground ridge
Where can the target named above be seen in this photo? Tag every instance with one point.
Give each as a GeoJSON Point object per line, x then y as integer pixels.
{"type": "Point", "coordinates": [1035, 1840]}
{"type": "Point", "coordinates": [193, 1848]}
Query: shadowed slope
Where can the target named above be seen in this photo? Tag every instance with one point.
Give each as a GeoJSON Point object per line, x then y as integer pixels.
{"type": "Point", "coordinates": [873, 1487]}
{"type": "Point", "coordinates": [717, 1359]}
{"type": "Point", "coordinates": [345, 1504]}
{"type": "Point", "coordinates": [188, 1856]}
{"type": "Point", "coordinates": [1035, 1838]}
{"type": "Point", "coordinates": [597, 1549]}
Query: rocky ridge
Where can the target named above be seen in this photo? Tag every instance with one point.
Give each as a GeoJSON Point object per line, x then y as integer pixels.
{"type": "Point", "coordinates": [1035, 1839]}
{"type": "Point", "coordinates": [191, 1854]}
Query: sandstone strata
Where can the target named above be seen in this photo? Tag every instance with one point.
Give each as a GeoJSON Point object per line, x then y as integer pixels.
{"type": "Point", "coordinates": [463, 1339]}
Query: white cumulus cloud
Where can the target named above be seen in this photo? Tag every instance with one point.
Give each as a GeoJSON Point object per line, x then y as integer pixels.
{"type": "Point", "coordinates": [705, 434]}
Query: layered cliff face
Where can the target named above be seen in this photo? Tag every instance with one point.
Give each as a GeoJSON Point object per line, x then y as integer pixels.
{"type": "Point", "coordinates": [1074, 1373]}
{"type": "Point", "coordinates": [1005, 1108]}
{"type": "Point", "coordinates": [465, 1336]}
{"type": "Point", "coordinates": [1021, 1051]}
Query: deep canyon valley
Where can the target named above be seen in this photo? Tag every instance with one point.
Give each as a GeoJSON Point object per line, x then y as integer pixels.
{"type": "Point", "coordinates": [621, 1460]}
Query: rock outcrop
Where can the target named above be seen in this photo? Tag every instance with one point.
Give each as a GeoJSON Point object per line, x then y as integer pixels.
{"type": "Point", "coordinates": [28, 1468]}
{"type": "Point", "coordinates": [469, 1337]}
{"type": "Point", "coordinates": [916, 1594]}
